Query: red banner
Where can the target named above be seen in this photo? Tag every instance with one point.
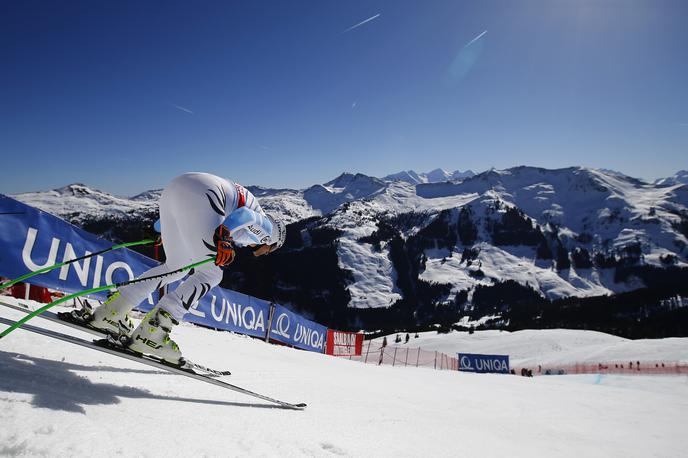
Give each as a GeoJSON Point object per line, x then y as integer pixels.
{"type": "Point", "coordinates": [340, 343]}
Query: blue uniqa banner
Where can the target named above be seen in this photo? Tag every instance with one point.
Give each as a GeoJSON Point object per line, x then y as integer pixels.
{"type": "Point", "coordinates": [31, 239]}
{"type": "Point", "coordinates": [292, 329]}
{"type": "Point", "coordinates": [498, 364]}
{"type": "Point", "coordinates": [231, 311]}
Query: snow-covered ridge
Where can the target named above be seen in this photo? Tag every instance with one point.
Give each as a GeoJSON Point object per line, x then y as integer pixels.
{"type": "Point", "coordinates": [680, 177]}
{"type": "Point", "coordinates": [434, 176]}
{"type": "Point", "coordinates": [78, 203]}
{"type": "Point", "coordinates": [557, 223]}
{"type": "Point", "coordinates": [345, 188]}
{"type": "Point", "coordinates": [585, 211]}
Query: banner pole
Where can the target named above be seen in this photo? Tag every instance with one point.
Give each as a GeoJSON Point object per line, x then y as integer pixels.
{"type": "Point", "coordinates": [271, 314]}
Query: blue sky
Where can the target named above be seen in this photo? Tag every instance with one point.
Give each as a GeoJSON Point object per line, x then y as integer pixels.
{"type": "Point", "coordinates": [124, 96]}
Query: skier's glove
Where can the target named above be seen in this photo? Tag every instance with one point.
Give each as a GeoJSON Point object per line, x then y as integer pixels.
{"type": "Point", "coordinates": [225, 253]}
{"type": "Point", "coordinates": [225, 247]}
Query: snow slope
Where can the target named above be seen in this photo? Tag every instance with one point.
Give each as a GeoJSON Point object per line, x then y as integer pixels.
{"type": "Point", "coordinates": [57, 399]}
{"type": "Point", "coordinates": [549, 346]}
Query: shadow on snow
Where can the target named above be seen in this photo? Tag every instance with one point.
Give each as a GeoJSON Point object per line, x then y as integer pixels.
{"type": "Point", "coordinates": [54, 385]}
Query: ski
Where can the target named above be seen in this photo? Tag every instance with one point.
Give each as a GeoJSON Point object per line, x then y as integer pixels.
{"type": "Point", "coordinates": [64, 319]}
{"type": "Point", "coordinates": [114, 344]}
{"type": "Point", "coordinates": [52, 316]}
{"type": "Point", "coordinates": [106, 348]}
{"type": "Point", "coordinates": [207, 371]}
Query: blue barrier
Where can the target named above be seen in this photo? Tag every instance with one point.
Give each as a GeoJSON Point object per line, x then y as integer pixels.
{"type": "Point", "coordinates": [31, 239]}
{"type": "Point", "coordinates": [292, 329]}
{"type": "Point", "coordinates": [469, 362]}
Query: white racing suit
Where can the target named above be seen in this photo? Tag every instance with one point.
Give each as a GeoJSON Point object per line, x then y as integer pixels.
{"type": "Point", "coordinates": [192, 206]}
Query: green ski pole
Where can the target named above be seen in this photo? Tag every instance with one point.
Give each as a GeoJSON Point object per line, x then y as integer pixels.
{"type": "Point", "coordinates": [95, 290]}
{"type": "Point", "coordinates": [49, 268]}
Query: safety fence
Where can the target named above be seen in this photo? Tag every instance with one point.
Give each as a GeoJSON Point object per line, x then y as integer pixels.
{"type": "Point", "coordinates": [621, 368]}
{"type": "Point", "coordinates": [393, 355]}
{"type": "Point", "coordinates": [374, 353]}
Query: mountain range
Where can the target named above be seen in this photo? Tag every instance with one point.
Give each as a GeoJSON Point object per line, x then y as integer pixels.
{"type": "Point", "coordinates": [513, 247]}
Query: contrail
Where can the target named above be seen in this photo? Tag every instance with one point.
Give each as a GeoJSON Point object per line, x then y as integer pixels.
{"type": "Point", "coordinates": [186, 110]}
{"type": "Point", "coordinates": [362, 22]}
{"type": "Point", "coordinates": [475, 39]}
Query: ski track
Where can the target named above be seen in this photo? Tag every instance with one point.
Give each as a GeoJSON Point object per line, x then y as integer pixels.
{"type": "Point", "coordinates": [58, 399]}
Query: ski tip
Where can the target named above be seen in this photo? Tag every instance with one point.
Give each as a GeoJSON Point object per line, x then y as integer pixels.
{"type": "Point", "coordinates": [301, 405]}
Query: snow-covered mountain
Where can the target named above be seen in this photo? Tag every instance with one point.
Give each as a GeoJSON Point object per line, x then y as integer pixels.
{"type": "Point", "coordinates": [542, 228]}
{"type": "Point", "coordinates": [78, 203]}
{"type": "Point", "coordinates": [346, 187]}
{"type": "Point", "coordinates": [436, 250]}
{"type": "Point", "coordinates": [290, 204]}
{"type": "Point", "coordinates": [680, 177]}
{"type": "Point", "coordinates": [434, 176]}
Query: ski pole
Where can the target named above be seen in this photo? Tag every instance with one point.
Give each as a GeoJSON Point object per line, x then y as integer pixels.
{"type": "Point", "coordinates": [49, 268]}
{"type": "Point", "coordinates": [96, 290]}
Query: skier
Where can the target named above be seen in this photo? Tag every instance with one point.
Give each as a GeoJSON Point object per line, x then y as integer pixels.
{"type": "Point", "coordinates": [201, 215]}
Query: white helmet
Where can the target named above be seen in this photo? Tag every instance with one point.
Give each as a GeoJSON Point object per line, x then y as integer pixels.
{"type": "Point", "coordinates": [279, 232]}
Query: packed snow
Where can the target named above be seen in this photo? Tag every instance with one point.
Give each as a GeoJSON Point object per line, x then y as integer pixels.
{"type": "Point", "coordinates": [58, 399]}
